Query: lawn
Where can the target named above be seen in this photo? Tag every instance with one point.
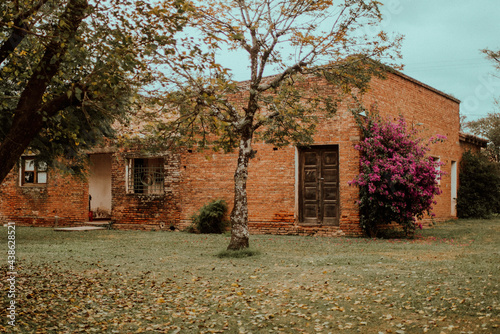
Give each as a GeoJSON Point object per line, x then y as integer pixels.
{"type": "Point", "coordinates": [446, 280]}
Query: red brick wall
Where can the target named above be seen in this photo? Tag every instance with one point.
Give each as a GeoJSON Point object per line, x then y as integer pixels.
{"type": "Point", "coordinates": [472, 143]}
{"type": "Point", "coordinates": [430, 113]}
{"type": "Point", "coordinates": [63, 196]}
{"type": "Point", "coordinates": [67, 197]}
{"type": "Point", "coordinates": [272, 173]}
{"type": "Point", "coordinates": [195, 178]}
{"type": "Point", "coordinates": [141, 211]}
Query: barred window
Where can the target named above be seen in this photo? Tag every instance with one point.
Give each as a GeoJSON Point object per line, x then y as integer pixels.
{"type": "Point", "coordinates": [32, 172]}
{"type": "Point", "coordinates": [145, 176]}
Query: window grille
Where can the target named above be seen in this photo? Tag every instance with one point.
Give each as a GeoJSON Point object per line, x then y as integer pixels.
{"type": "Point", "coordinates": [145, 176]}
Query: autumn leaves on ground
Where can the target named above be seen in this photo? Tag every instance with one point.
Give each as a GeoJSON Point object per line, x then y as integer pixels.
{"type": "Point", "coordinates": [446, 280]}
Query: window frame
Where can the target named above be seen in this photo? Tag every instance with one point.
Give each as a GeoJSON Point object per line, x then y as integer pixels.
{"type": "Point", "coordinates": [321, 182]}
{"type": "Point", "coordinates": [437, 159]}
{"type": "Point", "coordinates": [38, 169]}
{"type": "Point", "coordinates": [151, 172]}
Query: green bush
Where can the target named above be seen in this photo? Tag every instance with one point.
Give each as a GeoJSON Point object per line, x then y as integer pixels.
{"type": "Point", "coordinates": [479, 189]}
{"type": "Point", "coordinates": [210, 218]}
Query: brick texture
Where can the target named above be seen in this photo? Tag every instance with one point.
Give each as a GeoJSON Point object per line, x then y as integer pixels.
{"type": "Point", "coordinates": [142, 211]}
{"type": "Point", "coordinates": [63, 196]}
{"type": "Point", "coordinates": [272, 183]}
{"type": "Point", "coordinates": [194, 178]}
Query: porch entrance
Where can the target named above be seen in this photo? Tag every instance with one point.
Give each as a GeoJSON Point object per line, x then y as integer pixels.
{"type": "Point", "coordinates": [100, 186]}
{"type": "Point", "coordinates": [319, 185]}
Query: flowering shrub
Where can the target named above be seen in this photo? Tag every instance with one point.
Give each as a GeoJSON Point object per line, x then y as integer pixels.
{"type": "Point", "coordinates": [397, 180]}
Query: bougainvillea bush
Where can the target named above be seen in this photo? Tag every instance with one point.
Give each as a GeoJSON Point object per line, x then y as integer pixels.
{"type": "Point", "coordinates": [397, 179]}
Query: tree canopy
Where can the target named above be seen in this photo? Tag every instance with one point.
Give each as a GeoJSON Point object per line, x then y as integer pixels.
{"type": "Point", "coordinates": [70, 68]}
{"type": "Point", "coordinates": [488, 127]}
{"type": "Point", "coordinates": [479, 188]}
{"type": "Point", "coordinates": [289, 39]}
{"type": "Point", "coordinates": [493, 56]}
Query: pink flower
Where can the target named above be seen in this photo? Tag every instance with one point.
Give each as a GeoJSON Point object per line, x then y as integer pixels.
{"type": "Point", "coordinates": [398, 179]}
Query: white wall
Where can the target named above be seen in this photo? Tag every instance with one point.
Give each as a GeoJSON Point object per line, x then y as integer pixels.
{"type": "Point", "coordinates": [454, 178]}
{"type": "Point", "coordinates": [100, 183]}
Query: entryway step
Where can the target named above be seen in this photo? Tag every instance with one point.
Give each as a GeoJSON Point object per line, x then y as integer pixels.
{"type": "Point", "coordinates": [101, 223]}
{"type": "Point", "coordinates": [79, 228]}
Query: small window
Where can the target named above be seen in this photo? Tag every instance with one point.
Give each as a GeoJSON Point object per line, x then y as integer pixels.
{"type": "Point", "coordinates": [438, 169]}
{"type": "Point", "coordinates": [145, 176]}
{"type": "Point", "coordinates": [32, 172]}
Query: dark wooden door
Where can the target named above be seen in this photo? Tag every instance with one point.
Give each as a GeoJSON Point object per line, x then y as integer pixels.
{"type": "Point", "coordinates": [319, 185]}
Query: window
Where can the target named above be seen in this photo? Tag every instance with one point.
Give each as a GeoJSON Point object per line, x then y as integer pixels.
{"type": "Point", "coordinates": [32, 172]}
{"type": "Point", "coordinates": [145, 176]}
{"type": "Point", "coordinates": [438, 168]}
{"type": "Point", "coordinates": [454, 183]}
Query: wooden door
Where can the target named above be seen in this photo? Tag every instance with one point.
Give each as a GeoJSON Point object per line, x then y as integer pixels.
{"type": "Point", "coordinates": [319, 185]}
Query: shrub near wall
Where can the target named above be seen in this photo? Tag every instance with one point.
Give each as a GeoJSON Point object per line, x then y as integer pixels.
{"type": "Point", "coordinates": [479, 189]}
{"type": "Point", "coordinates": [210, 218]}
{"type": "Point", "coordinates": [397, 180]}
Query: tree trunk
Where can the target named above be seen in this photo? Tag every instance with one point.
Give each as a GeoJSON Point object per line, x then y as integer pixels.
{"type": "Point", "coordinates": [239, 215]}
{"type": "Point", "coordinates": [25, 126]}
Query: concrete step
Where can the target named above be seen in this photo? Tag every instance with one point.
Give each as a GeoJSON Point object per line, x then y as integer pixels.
{"type": "Point", "coordinates": [79, 228]}
{"type": "Point", "coordinates": [103, 223]}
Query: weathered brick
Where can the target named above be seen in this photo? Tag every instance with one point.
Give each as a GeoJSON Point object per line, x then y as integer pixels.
{"type": "Point", "coordinates": [194, 178]}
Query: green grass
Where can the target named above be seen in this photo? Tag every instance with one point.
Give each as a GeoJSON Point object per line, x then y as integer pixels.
{"type": "Point", "coordinates": [238, 254]}
{"type": "Point", "coordinates": [444, 281]}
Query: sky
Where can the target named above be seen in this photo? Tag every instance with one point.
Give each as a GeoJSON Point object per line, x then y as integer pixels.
{"type": "Point", "coordinates": [441, 48]}
{"type": "Point", "coordinates": [443, 39]}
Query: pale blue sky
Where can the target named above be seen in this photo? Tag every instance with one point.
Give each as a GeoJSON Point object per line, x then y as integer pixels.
{"type": "Point", "coordinates": [443, 39]}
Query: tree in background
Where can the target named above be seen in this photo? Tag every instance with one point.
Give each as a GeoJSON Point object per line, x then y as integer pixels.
{"type": "Point", "coordinates": [493, 56]}
{"type": "Point", "coordinates": [70, 68]}
{"type": "Point", "coordinates": [397, 180]}
{"type": "Point", "coordinates": [489, 128]}
{"type": "Point", "coordinates": [291, 40]}
{"type": "Point", "coordinates": [479, 189]}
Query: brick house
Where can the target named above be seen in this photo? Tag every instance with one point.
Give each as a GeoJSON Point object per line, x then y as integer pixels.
{"type": "Point", "coordinates": [291, 190]}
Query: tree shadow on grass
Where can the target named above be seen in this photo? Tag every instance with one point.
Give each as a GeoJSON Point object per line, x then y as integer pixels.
{"type": "Point", "coordinates": [238, 254]}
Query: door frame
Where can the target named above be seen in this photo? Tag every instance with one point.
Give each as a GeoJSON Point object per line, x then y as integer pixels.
{"type": "Point", "coordinates": [100, 185]}
{"type": "Point", "coordinates": [300, 181]}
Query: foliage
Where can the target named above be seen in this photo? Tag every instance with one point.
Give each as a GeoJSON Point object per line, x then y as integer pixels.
{"type": "Point", "coordinates": [70, 68]}
{"type": "Point", "coordinates": [493, 56]}
{"type": "Point", "coordinates": [479, 188]}
{"type": "Point", "coordinates": [210, 218]}
{"type": "Point", "coordinates": [292, 40]}
{"type": "Point", "coordinates": [397, 180]}
{"type": "Point", "coordinates": [488, 127]}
